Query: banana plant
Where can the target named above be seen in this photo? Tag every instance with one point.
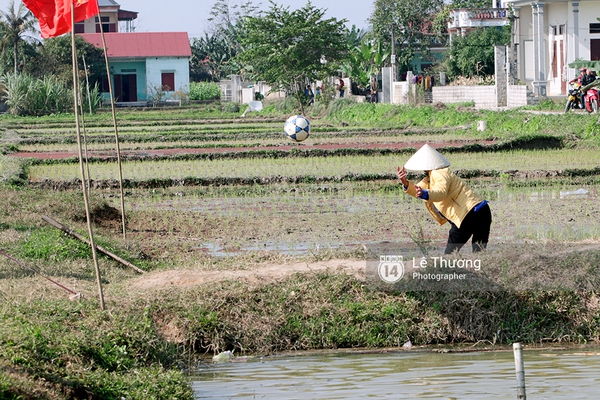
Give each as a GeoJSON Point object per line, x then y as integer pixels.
{"type": "Point", "coordinates": [380, 56]}
{"type": "Point", "coordinates": [365, 60]}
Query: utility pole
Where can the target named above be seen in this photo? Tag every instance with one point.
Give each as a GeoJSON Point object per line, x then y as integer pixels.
{"type": "Point", "coordinates": [393, 57]}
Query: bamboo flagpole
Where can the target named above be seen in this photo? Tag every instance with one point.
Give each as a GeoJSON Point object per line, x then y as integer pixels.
{"type": "Point", "coordinates": [81, 170]}
{"type": "Point", "coordinates": [87, 85]}
{"type": "Point", "coordinates": [114, 116]}
{"type": "Point", "coordinates": [85, 141]}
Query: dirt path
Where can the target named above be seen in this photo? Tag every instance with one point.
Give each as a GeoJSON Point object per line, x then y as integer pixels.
{"type": "Point", "coordinates": [260, 274]}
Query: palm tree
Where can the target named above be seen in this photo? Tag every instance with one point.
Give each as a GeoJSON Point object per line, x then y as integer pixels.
{"type": "Point", "coordinates": [14, 27]}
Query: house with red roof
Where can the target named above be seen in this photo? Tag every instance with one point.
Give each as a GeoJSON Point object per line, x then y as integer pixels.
{"type": "Point", "coordinates": [146, 66]}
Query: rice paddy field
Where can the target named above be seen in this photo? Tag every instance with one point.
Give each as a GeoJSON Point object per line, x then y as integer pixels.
{"type": "Point", "coordinates": [254, 243]}
{"type": "Point", "coordinates": [222, 185]}
{"type": "Point", "coordinates": [214, 184]}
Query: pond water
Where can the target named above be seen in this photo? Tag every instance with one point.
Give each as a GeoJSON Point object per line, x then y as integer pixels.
{"type": "Point", "coordinates": [549, 374]}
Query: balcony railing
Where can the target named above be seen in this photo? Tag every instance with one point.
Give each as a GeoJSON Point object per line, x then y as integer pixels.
{"type": "Point", "coordinates": [478, 17]}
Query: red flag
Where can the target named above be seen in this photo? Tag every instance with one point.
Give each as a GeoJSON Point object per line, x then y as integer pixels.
{"type": "Point", "coordinates": [55, 15]}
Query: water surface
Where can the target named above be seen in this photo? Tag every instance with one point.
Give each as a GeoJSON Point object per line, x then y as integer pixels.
{"type": "Point", "coordinates": [549, 374]}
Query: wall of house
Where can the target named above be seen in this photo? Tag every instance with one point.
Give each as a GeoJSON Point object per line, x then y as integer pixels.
{"type": "Point", "coordinates": [156, 66]}
{"type": "Point", "coordinates": [131, 67]}
{"type": "Point", "coordinates": [525, 64]}
{"type": "Point", "coordinates": [556, 14]}
{"type": "Point", "coordinates": [588, 14]}
{"type": "Point", "coordinates": [89, 25]}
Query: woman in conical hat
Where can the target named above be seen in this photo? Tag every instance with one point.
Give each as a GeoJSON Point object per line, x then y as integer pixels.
{"type": "Point", "coordinates": [449, 199]}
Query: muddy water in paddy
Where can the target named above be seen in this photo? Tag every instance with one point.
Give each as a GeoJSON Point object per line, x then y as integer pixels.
{"type": "Point", "coordinates": [549, 374]}
{"type": "Point", "coordinates": [322, 217]}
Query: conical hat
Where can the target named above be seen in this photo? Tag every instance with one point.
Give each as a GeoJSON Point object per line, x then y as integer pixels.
{"type": "Point", "coordinates": [426, 159]}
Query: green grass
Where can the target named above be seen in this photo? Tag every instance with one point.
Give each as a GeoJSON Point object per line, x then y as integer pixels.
{"type": "Point", "coordinates": [53, 245]}
{"type": "Point", "coordinates": [86, 352]}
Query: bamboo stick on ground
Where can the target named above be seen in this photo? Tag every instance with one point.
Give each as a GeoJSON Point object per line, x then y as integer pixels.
{"type": "Point", "coordinates": [101, 249]}
{"type": "Point", "coordinates": [74, 295]}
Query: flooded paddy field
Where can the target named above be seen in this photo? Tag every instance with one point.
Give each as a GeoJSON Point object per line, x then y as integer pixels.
{"type": "Point", "coordinates": [305, 199]}
{"type": "Point", "coordinates": [296, 219]}
{"type": "Point", "coordinates": [308, 204]}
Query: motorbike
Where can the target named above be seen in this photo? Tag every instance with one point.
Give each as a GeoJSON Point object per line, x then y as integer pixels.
{"type": "Point", "coordinates": [591, 98]}
{"type": "Point", "coordinates": [574, 97]}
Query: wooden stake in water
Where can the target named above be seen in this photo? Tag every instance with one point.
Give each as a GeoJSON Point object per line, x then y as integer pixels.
{"type": "Point", "coordinates": [520, 369]}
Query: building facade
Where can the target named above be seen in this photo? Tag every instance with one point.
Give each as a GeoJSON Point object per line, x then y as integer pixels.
{"type": "Point", "coordinates": [146, 66]}
{"type": "Point", "coordinates": [548, 36]}
{"type": "Point", "coordinates": [110, 16]}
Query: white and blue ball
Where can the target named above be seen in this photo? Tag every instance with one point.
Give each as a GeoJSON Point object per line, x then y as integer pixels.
{"type": "Point", "coordinates": [297, 127]}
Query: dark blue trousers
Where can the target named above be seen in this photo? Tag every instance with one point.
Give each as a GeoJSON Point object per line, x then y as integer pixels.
{"type": "Point", "coordinates": [476, 224]}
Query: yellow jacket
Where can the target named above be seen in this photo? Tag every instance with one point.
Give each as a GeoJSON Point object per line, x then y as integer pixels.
{"type": "Point", "coordinates": [448, 194]}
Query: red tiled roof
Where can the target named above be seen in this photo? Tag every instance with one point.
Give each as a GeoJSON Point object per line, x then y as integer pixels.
{"type": "Point", "coordinates": [143, 44]}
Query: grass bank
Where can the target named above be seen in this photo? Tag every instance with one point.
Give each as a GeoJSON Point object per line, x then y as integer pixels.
{"type": "Point", "coordinates": [140, 347]}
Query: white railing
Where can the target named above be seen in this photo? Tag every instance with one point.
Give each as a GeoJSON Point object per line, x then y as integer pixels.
{"type": "Point", "coordinates": [475, 16]}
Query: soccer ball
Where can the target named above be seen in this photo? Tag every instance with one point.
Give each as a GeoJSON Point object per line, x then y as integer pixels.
{"type": "Point", "coordinates": [297, 127]}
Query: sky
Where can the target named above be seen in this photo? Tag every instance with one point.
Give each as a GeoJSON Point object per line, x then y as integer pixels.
{"type": "Point", "coordinates": [191, 15]}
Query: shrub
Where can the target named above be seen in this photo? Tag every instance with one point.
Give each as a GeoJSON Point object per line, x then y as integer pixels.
{"type": "Point", "coordinates": [95, 99]}
{"type": "Point", "coordinates": [205, 91]}
{"type": "Point", "coordinates": [592, 131]}
{"type": "Point", "coordinates": [26, 95]}
{"type": "Point", "coordinates": [231, 107]}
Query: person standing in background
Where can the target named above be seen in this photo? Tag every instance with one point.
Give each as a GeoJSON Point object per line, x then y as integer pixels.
{"type": "Point", "coordinates": [340, 86]}
{"type": "Point", "coordinates": [374, 90]}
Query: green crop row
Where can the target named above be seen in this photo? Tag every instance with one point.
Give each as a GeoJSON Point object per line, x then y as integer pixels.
{"type": "Point", "coordinates": [523, 160]}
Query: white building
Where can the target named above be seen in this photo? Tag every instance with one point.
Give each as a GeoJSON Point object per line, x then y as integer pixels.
{"type": "Point", "coordinates": [111, 15]}
{"type": "Point", "coordinates": [145, 63]}
{"type": "Point", "coordinates": [548, 35]}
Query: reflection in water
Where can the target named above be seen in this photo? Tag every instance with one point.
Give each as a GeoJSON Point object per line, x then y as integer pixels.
{"type": "Point", "coordinates": [403, 375]}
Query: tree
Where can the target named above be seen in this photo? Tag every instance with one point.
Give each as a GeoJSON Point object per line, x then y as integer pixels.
{"type": "Point", "coordinates": [213, 54]}
{"type": "Point", "coordinates": [473, 54]}
{"type": "Point", "coordinates": [456, 4]}
{"type": "Point", "coordinates": [442, 18]}
{"type": "Point", "coordinates": [211, 58]}
{"type": "Point", "coordinates": [289, 49]}
{"type": "Point", "coordinates": [14, 27]}
{"type": "Point", "coordinates": [354, 36]}
{"type": "Point", "coordinates": [57, 59]}
{"type": "Point", "coordinates": [408, 22]}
